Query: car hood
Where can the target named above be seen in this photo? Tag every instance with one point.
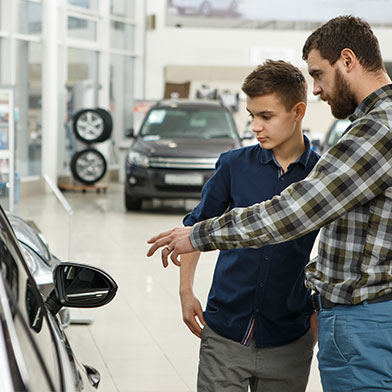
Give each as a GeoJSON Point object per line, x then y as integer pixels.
{"type": "Point", "coordinates": [187, 147]}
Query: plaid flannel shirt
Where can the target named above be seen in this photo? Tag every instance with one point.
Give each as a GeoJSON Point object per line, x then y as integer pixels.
{"type": "Point", "coordinates": [348, 194]}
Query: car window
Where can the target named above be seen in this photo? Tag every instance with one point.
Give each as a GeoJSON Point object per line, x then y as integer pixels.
{"type": "Point", "coordinates": [337, 131]}
{"type": "Point", "coordinates": [31, 342]}
{"type": "Point", "coordinates": [187, 123]}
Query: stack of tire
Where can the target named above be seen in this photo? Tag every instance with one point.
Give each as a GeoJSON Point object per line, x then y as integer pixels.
{"type": "Point", "coordinates": [90, 126]}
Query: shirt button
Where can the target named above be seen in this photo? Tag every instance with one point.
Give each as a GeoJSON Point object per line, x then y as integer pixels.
{"type": "Point", "coordinates": [266, 257]}
{"type": "Point", "coordinates": [257, 310]}
{"type": "Point", "coordinates": [261, 284]}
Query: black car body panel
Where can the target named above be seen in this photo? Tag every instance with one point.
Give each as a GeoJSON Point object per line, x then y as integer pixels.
{"type": "Point", "coordinates": [35, 354]}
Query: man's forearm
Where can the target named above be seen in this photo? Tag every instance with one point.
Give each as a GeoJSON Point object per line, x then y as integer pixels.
{"type": "Point", "coordinates": [330, 191]}
{"type": "Point", "coordinates": [187, 271]}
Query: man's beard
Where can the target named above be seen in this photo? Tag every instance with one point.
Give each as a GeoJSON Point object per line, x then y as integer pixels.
{"type": "Point", "coordinates": [342, 101]}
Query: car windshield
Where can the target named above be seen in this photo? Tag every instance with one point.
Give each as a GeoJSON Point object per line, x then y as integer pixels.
{"type": "Point", "coordinates": [188, 123]}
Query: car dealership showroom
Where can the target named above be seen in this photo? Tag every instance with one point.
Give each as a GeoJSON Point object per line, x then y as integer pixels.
{"type": "Point", "coordinates": [113, 115]}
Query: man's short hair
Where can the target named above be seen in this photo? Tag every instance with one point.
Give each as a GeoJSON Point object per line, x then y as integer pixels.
{"type": "Point", "coordinates": [277, 77]}
{"type": "Point", "coordinates": [346, 32]}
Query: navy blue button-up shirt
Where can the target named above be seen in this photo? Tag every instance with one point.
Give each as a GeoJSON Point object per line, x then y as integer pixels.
{"type": "Point", "coordinates": [256, 292]}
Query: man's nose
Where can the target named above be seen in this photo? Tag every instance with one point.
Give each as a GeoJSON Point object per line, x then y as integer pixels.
{"type": "Point", "coordinates": [317, 89]}
{"type": "Point", "coordinates": [257, 126]}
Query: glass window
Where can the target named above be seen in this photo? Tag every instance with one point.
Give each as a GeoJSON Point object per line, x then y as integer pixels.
{"type": "Point", "coordinates": [1, 14]}
{"type": "Point", "coordinates": [89, 4]}
{"type": "Point", "coordinates": [29, 17]}
{"type": "Point", "coordinates": [82, 86]}
{"type": "Point", "coordinates": [5, 63]}
{"type": "Point", "coordinates": [1, 59]}
{"type": "Point", "coordinates": [123, 8]}
{"type": "Point", "coordinates": [82, 28]}
{"type": "Point", "coordinates": [198, 123]}
{"type": "Point", "coordinates": [29, 108]}
{"type": "Point", "coordinates": [121, 94]}
{"type": "Point", "coordinates": [121, 35]}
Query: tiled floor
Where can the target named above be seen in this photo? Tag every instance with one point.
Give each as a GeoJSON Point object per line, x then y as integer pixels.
{"type": "Point", "coordinates": [138, 342]}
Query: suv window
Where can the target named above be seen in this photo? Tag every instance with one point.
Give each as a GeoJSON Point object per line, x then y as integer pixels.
{"type": "Point", "coordinates": [32, 351]}
{"type": "Point", "coordinates": [188, 123]}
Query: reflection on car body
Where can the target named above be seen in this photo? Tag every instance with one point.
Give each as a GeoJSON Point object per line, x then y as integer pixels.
{"type": "Point", "coordinates": [40, 260]}
{"type": "Point", "coordinates": [175, 152]}
{"type": "Point", "coordinates": [35, 354]}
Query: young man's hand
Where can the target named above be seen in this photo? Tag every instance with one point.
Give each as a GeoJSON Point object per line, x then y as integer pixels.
{"type": "Point", "coordinates": [175, 242]}
{"type": "Point", "coordinates": [191, 311]}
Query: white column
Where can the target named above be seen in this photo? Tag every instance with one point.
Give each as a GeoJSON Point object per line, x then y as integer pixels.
{"type": "Point", "coordinates": [50, 90]}
{"type": "Point", "coordinates": [104, 56]}
{"type": "Point", "coordinates": [140, 49]}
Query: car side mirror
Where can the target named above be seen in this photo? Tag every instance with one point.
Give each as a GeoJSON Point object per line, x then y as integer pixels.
{"type": "Point", "coordinates": [130, 132]}
{"type": "Point", "coordinates": [247, 135]}
{"type": "Point", "coordinates": [80, 286]}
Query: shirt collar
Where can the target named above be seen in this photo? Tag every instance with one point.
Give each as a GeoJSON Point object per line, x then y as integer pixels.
{"type": "Point", "coordinates": [268, 156]}
{"type": "Point", "coordinates": [371, 101]}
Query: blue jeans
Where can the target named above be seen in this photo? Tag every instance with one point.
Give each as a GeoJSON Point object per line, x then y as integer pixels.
{"type": "Point", "coordinates": [355, 347]}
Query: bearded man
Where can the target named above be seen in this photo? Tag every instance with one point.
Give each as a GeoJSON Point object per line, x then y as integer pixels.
{"type": "Point", "coordinates": [349, 196]}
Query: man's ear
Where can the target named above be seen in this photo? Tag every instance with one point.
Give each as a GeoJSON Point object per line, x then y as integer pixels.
{"type": "Point", "coordinates": [300, 110]}
{"type": "Point", "coordinates": [348, 59]}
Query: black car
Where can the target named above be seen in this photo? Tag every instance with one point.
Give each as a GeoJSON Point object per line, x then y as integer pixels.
{"type": "Point", "coordinates": [35, 354]}
{"type": "Point", "coordinates": [175, 152]}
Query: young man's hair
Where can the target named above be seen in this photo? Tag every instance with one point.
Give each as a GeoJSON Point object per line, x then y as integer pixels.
{"type": "Point", "coordinates": [346, 32]}
{"type": "Point", "coordinates": [277, 77]}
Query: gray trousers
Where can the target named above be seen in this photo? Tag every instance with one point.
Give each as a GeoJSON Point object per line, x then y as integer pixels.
{"type": "Point", "coordinates": [228, 366]}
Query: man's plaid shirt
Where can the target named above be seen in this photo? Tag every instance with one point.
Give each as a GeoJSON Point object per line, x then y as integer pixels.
{"type": "Point", "coordinates": [348, 194]}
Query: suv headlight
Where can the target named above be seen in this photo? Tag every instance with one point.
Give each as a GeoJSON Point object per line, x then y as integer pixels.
{"type": "Point", "coordinates": [138, 159]}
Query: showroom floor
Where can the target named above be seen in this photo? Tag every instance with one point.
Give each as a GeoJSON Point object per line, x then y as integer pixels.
{"type": "Point", "coordinates": [138, 341]}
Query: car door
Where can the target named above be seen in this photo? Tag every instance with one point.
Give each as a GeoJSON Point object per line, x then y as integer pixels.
{"type": "Point", "coordinates": [27, 335]}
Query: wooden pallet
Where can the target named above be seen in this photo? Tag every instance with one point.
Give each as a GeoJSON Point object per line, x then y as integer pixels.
{"type": "Point", "coordinates": [83, 188]}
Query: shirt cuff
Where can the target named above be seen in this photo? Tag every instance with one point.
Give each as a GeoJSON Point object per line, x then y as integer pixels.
{"type": "Point", "coordinates": [199, 237]}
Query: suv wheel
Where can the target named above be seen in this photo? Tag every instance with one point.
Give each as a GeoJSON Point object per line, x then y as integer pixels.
{"type": "Point", "coordinates": [132, 203]}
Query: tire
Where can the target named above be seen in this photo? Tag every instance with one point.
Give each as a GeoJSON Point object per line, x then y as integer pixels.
{"type": "Point", "coordinates": [108, 120]}
{"type": "Point", "coordinates": [88, 166]}
{"type": "Point", "coordinates": [92, 125]}
{"type": "Point", "coordinates": [132, 203]}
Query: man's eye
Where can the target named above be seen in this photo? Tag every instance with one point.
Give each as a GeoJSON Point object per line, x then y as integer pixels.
{"type": "Point", "coordinates": [266, 117]}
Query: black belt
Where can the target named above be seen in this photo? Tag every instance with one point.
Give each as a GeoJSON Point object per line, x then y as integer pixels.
{"type": "Point", "coordinates": [320, 302]}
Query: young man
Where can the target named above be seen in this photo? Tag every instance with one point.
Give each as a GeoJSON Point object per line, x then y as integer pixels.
{"type": "Point", "coordinates": [257, 318]}
{"type": "Point", "coordinates": [349, 195]}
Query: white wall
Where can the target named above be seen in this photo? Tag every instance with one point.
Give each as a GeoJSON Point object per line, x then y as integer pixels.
{"type": "Point", "coordinates": [227, 47]}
